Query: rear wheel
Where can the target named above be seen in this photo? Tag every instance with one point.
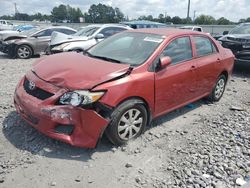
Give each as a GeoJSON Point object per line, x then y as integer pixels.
{"type": "Point", "coordinates": [127, 122]}
{"type": "Point", "coordinates": [218, 90]}
{"type": "Point", "coordinates": [23, 52]}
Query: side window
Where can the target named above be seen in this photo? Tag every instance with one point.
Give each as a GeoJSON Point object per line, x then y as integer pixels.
{"type": "Point", "coordinates": [65, 31]}
{"type": "Point", "coordinates": [179, 50]}
{"type": "Point", "coordinates": [204, 46]}
{"type": "Point", "coordinates": [109, 31]}
{"type": "Point", "coordinates": [197, 29]}
{"type": "Point", "coordinates": [44, 33]}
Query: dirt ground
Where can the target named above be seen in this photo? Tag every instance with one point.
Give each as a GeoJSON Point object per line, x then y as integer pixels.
{"type": "Point", "coordinates": [200, 145]}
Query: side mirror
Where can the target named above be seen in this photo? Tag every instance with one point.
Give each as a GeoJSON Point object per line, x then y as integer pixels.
{"type": "Point", "coordinates": [225, 32]}
{"type": "Point", "coordinates": [165, 61]}
{"type": "Point", "coordinates": [99, 36]}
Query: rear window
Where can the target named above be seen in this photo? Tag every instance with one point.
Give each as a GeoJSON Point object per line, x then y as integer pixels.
{"type": "Point", "coordinates": [179, 50]}
{"type": "Point", "coordinates": [204, 46]}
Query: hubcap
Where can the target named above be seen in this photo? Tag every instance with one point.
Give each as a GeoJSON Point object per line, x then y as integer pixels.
{"type": "Point", "coordinates": [23, 52]}
{"type": "Point", "coordinates": [219, 88]}
{"type": "Point", "coordinates": [130, 124]}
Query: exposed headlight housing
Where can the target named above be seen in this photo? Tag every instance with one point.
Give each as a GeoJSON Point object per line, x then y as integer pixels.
{"type": "Point", "coordinates": [80, 97]}
{"type": "Point", "coordinates": [10, 41]}
{"type": "Point", "coordinates": [60, 47]}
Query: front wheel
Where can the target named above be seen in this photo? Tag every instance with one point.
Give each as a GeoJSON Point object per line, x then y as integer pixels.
{"type": "Point", "coordinates": [127, 122]}
{"type": "Point", "coordinates": [218, 90]}
{"type": "Point", "coordinates": [23, 52]}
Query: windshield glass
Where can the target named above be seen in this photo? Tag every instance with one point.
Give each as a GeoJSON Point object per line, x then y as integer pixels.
{"type": "Point", "coordinates": [30, 32]}
{"type": "Point", "coordinates": [86, 31]}
{"type": "Point", "coordinates": [242, 29]}
{"type": "Point", "coordinates": [128, 47]}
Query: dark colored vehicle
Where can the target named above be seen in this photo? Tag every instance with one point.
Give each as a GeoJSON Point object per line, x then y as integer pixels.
{"type": "Point", "coordinates": [139, 24]}
{"type": "Point", "coordinates": [121, 84]}
{"type": "Point", "coordinates": [238, 40]}
{"type": "Point", "coordinates": [32, 42]}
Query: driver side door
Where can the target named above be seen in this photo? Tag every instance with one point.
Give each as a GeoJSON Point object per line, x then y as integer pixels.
{"type": "Point", "coordinates": [42, 40]}
{"type": "Point", "coordinates": [176, 84]}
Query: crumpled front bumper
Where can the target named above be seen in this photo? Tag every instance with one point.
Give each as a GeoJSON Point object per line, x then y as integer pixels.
{"type": "Point", "coordinates": [46, 117]}
{"type": "Point", "coordinates": [4, 47]}
{"type": "Point", "coordinates": [240, 50]}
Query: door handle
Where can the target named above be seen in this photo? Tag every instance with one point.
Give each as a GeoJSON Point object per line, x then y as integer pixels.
{"type": "Point", "coordinates": [218, 60]}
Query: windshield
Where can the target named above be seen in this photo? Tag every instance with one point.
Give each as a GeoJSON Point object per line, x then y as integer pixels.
{"type": "Point", "coordinates": [86, 31]}
{"type": "Point", "coordinates": [242, 29]}
{"type": "Point", "coordinates": [30, 32]}
{"type": "Point", "coordinates": [128, 47]}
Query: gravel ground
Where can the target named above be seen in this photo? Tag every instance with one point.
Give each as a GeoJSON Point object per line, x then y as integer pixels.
{"type": "Point", "coordinates": [200, 145]}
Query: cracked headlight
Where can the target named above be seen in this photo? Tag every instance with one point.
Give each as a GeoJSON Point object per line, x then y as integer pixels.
{"type": "Point", "coordinates": [77, 98]}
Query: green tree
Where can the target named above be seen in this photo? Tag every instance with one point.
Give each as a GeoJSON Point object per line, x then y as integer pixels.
{"type": "Point", "coordinates": [205, 19]}
{"type": "Point", "coordinates": [103, 14]}
{"type": "Point", "coordinates": [161, 18]}
{"type": "Point", "coordinates": [59, 13]}
{"type": "Point", "coordinates": [223, 21]}
{"type": "Point", "coordinates": [242, 20]}
{"type": "Point", "coordinates": [176, 20]}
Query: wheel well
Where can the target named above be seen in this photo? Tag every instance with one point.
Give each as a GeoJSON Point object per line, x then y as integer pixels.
{"type": "Point", "coordinates": [225, 73]}
{"type": "Point", "coordinates": [144, 102]}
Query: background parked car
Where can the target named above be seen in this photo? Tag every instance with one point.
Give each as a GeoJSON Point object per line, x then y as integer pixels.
{"type": "Point", "coordinates": [84, 38]}
{"type": "Point", "coordinates": [138, 24]}
{"type": "Point", "coordinates": [31, 42]}
{"type": "Point", "coordinates": [238, 40]}
{"type": "Point", "coordinates": [192, 27]}
{"type": "Point", "coordinates": [6, 25]}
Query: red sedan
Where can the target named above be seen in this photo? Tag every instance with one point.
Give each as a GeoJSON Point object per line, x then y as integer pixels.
{"type": "Point", "coordinates": [121, 84]}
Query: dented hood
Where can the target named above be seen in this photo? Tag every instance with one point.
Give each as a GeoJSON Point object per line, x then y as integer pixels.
{"type": "Point", "coordinates": [59, 38]}
{"type": "Point", "coordinates": [76, 71]}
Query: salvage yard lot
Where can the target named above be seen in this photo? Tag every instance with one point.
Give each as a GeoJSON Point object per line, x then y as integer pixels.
{"type": "Point", "coordinates": [200, 145]}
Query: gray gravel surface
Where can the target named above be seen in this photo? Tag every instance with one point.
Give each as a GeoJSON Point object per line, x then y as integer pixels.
{"type": "Point", "coordinates": [201, 145]}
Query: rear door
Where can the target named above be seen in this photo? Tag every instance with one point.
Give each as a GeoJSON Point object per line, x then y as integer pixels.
{"type": "Point", "coordinates": [208, 63]}
{"type": "Point", "coordinates": [176, 84]}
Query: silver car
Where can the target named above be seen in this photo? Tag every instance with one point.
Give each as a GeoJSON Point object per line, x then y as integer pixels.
{"type": "Point", "coordinates": [84, 38]}
{"type": "Point", "coordinates": [31, 42]}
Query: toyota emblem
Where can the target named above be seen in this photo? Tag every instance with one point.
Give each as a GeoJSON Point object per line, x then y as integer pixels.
{"type": "Point", "coordinates": [32, 85]}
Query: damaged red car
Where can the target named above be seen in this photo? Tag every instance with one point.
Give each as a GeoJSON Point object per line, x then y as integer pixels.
{"type": "Point", "coordinates": [118, 86]}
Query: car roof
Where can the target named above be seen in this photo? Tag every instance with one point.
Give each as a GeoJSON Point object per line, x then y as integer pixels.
{"type": "Point", "coordinates": [108, 25]}
{"type": "Point", "coordinates": [167, 31]}
{"type": "Point", "coordinates": [62, 27]}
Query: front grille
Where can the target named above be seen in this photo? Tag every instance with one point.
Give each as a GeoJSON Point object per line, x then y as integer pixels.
{"type": "Point", "coordinates": [36, 92]}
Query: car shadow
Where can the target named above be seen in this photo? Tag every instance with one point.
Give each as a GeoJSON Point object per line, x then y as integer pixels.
{"type": "Point", "coordinates": [24, 137]}
{"type": "Point", "coordinates": [6, 56]}
{"type": "Point", "coordinates": [242, 69]}
{"type": "Point", "coordinates": [177, 113]}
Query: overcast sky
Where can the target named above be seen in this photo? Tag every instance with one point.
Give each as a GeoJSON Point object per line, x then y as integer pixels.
{"type": "Point", "coordinates": [231, 9]}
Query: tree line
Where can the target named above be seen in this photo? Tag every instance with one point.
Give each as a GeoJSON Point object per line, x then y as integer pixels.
{"type": "Point", "coordinates": [100, 13]}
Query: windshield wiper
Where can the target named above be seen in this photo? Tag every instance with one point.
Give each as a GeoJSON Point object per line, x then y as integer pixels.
{"type": "Point", "coordinates": [106, 58]}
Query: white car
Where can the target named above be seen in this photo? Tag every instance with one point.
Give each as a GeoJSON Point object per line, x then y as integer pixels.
{"type": "Point", "coordinates": [84, 38]}
{"type": "Point", "coordinates": [193, 28]}
{"type": "Point", "coordinates": [6, 25]}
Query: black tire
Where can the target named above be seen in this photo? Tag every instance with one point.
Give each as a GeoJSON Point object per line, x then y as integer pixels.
{"type": "Point", "coordinates": [123, 111]}
{"type": "Point", "coordinates": [218, 89]}
{"type": "Point", "coordinates": [23, 52]}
